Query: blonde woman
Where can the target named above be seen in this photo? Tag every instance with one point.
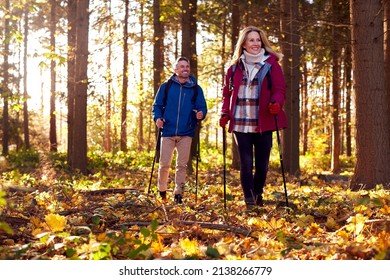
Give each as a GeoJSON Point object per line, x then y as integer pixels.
{"type": "Point", "coordinates": [253, 94]}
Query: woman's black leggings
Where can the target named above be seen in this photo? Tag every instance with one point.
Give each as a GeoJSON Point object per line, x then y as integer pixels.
{"type": "Point", "coordinates": [259, 145]}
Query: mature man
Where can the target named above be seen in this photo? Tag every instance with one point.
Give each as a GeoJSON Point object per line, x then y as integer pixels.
{"type": "Point", "coordinates": [178, 105]}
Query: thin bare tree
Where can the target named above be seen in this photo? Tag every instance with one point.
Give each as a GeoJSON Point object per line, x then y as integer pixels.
{"type": "Point", "coordinates": [125, 80]}
{"type": "Point", "coordinates": [26, 131]}
{"type": "Point", "coordinates": [4, 89]}
{"type": "Point", "coordinates": [53, 126]}
{"type": "Point", "coordinates": [71, 85]}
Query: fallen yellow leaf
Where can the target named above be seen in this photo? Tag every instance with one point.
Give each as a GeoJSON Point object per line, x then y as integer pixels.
{"type": "Point", "coordinates": [35, 222]}
{"type": "Point", "coordinates": [385, 210]}
{"type": "Point", "coordinates": [55, 222]}
{"type": "Point", "coordinates": [356, 223]}
{"type": "Point", "coordinates": [313, 229]}
{"type": "Point", "coordinates": [331, 223]}
{"type": "Point", "coordinates": [190, 247]}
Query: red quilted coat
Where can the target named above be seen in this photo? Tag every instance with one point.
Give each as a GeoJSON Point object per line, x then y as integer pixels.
{"type": "Point", "coordinates": [277, 93]}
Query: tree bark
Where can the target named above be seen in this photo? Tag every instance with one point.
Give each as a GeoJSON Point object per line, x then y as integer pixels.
{"type": "Point", "coordinates": [293, 166]}
{"type": "Point", "coordinates": [286, 49]}
{"type": "Point", "coordinates": [235, 34]}
{"type": "Point", "coordinates": [387, 56]}
{"type": "Point", "coordinates": [290, 64]}
{"type": "Point", "coordinates": [189, 31]}
{"type": "Point", "coordinates": [188, 49]}
{"type": "Point", "coordinates": [5, 90]}
{"type": "Point", "coordinates": [107, 131]}
{"type": "Point", "coordinates": [71, 85]}
{"type": "Point", "coordinates": [26, 131]}
{"type": "Point", "coordinates": [305, 110]}
{"type": "Point", "coordinates": [79, 159]}
{"type": "Point", "coordinates": [336, 136]}
{"type": "Point", "coordinates": [158, 59]}
{"type": "Point", "coordinates": [235, 23]}
{"type": "Point", "coordinates": [222, 71]}
{"type": "Point", "coordinates": [141, 83]}
{"type": "Point", "coordinates": [348, 99]}
{"type": "Point", "coordinates": [53, 127]}
{"type": "Point", "coordinates": [125, 80]}
{"type": "Point", "coordinates": [372, 123]}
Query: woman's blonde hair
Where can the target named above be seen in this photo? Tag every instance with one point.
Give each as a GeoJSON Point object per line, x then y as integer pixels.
{"type": "Point", "coordinates": [241, 41]}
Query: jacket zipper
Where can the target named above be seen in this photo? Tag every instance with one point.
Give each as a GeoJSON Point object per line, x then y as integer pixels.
{"type": "Point", "coordinates": [178, 111]}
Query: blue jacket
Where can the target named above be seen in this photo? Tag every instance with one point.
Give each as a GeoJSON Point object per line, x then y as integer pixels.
{"type": "Point", "coordinates": [179, 109]}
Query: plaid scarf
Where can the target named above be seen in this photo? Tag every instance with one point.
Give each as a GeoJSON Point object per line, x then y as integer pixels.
{"type": "Point", "coordinates": [246, 113]}
{"type": "Point", "coordinates": [247, 106]}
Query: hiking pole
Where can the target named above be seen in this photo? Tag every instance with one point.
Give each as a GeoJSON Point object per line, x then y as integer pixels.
{"type": "Point", "coordinates": [224, 165]}
{"type": "Point", "coordinates": [281, 158]}
{"type": "Point", "coordinates": [155, 156]}
{"type": "Point", "coordinates": [197, 163]}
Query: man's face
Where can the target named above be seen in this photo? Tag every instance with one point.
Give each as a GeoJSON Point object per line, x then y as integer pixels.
{"type": "Point", "coordinates": [182, 69]}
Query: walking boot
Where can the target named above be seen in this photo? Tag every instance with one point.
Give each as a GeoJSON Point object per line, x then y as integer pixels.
{"type": "Point", "coordinates": [178, 198]}
{"type": "Point", "coordinates": [163, 195]}
{"type": "Point", "coordinates": [259, 200]}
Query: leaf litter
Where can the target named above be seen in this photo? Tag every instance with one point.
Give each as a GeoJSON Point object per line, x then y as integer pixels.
{"type": "Point", "coordinates": [103, 217]}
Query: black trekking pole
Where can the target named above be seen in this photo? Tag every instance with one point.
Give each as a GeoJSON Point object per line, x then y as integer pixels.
{"type": "Point", "coordinates": [224, 165]}
{"type": "Point", "coordinates": [281, 158]}
{"type": "Point", "coordinates": [197, 163]}
{"type": "Point", "coordinates": [155, 156]}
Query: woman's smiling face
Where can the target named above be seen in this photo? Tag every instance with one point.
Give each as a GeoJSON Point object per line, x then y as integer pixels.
{"type": "Point", "coordinates": [253, 43]}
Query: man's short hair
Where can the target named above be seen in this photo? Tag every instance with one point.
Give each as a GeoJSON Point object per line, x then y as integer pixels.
{"type": "Point", "coordinates": [182, 58]}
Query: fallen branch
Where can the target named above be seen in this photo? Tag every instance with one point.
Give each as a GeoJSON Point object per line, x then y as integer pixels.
{"type": "Point", "coordinates": [108, 191]}
{"type": "Point", "coordinates": [221, 227]}
{"type": "Point", "coordinates": [366, 222]}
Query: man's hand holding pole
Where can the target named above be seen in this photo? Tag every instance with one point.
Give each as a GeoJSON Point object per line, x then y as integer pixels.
{"type": "Point", "coordinates": [160, 123]}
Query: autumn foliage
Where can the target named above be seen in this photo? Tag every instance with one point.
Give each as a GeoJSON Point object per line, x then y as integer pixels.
{"type": "Point", "coordinates": [50, 213]}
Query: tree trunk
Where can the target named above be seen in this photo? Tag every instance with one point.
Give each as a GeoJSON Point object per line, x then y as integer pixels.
{"type": "Point", "coordinates": [387, 56]}
{"type": "Point", "coordinates": [107, 131]}
{"type": "Point", "coordinates": [186, 30]}
{"type": "Point", "coordinates": [372, 123]}
{"type": "Point", "coordinates": [305, 116]}
{"type": "Point", "coordinates": [188, 50]}
{"type": "Point", "coordinates": [158, 46]}
{"type": "Point", "coordinates": [348, 100]}
{"type": "Point", "coordinates": [326, 112]}
{"type": "Point", "coordinates": [158, 56]}
{"type": "Point", "coordinates": [5, 90]}
{"type": "Point", "coordinates": [287, 61]}
{"type": "Point", "coordinates": [188, 20]}
{"type": "Point", "coordinates": [305, 110]}
{"type": "Point", "coordinates": [25, 94]}
{"type": "Point", "coordinates": [235, 23]}
{"type": "Point", "coordinates": [71, 85]}
{"type": "Point", "coordinates": [141, 83]}
{"type": "Point", "coordinates": [235, 33]}
{"type": "Point", "coordinates": [293, 155]}
{"type": "Point", "coordinates": [222, 73]}
{"type": "Point", "coordinates": [125, 80]}
{"type": "Point", "coordinates": [53, 127]}
{"type": "Point", "coordinates": [336, 136]}
{"type": "Point", "coordinates": [79, 159]}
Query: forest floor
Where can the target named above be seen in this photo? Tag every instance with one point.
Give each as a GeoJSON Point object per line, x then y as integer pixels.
{"type": "Point", "coordinates": [47, 213]}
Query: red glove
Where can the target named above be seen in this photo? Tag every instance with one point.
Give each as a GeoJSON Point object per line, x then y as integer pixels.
{"type": "Point", "coordinates": [223, 120]}
{"type": "Point", "coordinates": [274, 108]}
